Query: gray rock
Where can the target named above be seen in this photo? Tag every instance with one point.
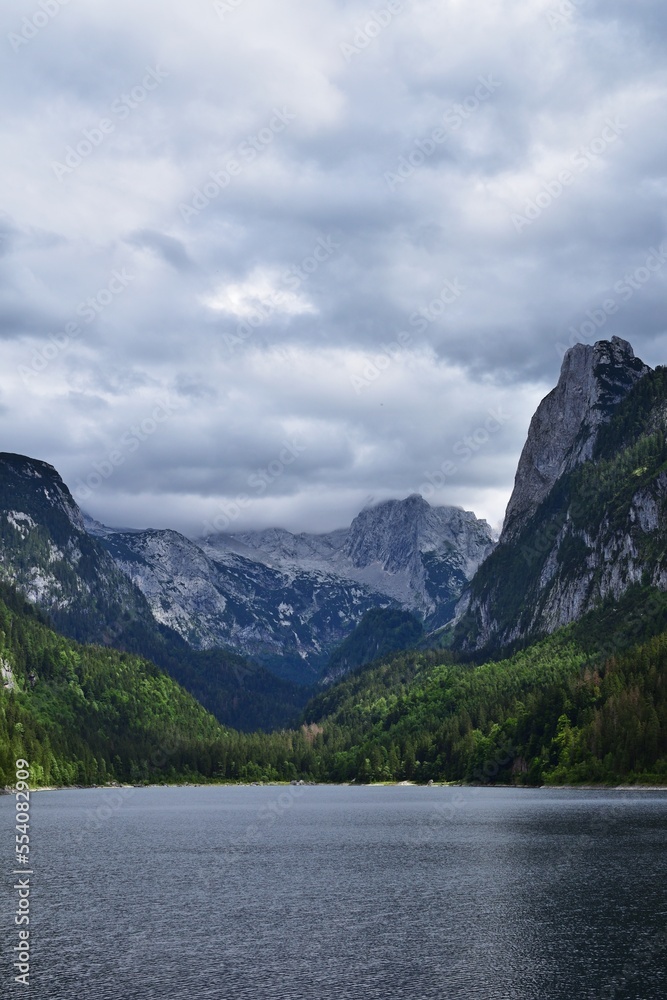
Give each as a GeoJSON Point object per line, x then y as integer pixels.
{"type": "Point", "coordinates": [279, 596]}
{"type": "Point", "coordinates": [560, 569]}
{"type": "Point", "coordinates": [416, 555]}
{"type": "Point", "coordinates": [563, 431]}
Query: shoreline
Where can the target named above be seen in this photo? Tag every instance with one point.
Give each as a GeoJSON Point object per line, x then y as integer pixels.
{"type": "Point", "coordinates": [11, 790]}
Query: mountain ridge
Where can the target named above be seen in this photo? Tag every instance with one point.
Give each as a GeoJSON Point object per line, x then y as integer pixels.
{"type": "Point", "coordinates": [562, 433]}
{"type": "Point", "coordinates": [383, 548]}
{"type": "Point", "coordinates": [287, 608]}
{"type": "Point", "coordinates": [593, 526]}
{"type": "Point", "coordinates": [46, 553]}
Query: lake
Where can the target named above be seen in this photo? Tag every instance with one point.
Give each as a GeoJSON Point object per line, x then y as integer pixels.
{"type": "Point", "coordinates": [326, 892]}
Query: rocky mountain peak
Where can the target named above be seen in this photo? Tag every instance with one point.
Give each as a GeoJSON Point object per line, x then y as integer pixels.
{"type": "Point", "coordinates": [34, 489]}
{"type": "Point", "coordinates": [394, 533]}
{"type": "Point", "coordinates": [562, 434]}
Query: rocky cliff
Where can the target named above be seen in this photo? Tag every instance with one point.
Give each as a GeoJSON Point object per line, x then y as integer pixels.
{"type": "Point", "coordinates": [588, 516]}
{"type": "Point", "coordinates": [46, 552]}
{"type": "Point", "coordinates": [418, 556]}
{"type": "Point", "coordinates": [562, 434]}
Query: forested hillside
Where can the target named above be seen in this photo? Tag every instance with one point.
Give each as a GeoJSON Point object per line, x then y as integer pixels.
{"type": "Point", "coordinates": [589, 703]}
{"type": "Point", "coordinates": [586, 704]}
{"type": "Point", "coordinates": [87, 714]}
{"type": "Point", "coordinates": [380, 632]}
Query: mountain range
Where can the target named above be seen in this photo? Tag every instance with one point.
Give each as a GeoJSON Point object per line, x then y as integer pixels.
{"type": "Point", "coordinates": [285, 600]}
{"type": "Point", "coordinates": [546, 646]}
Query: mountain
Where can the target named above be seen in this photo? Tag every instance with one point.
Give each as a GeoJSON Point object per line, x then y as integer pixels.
{"type": "Point", "coordinates": [563, 432]}
{"type": "Point", "coordinates": [287, 618]}
{"type": "Point", "coordinates": [588, 515]}
{"type": "Point", "coordinates": [284, 600]}
{"type": "Point", "coordinates": [418, 556]}
{"type": "Point", "coordinates": [288, 600]}
{"type": "Point", "coordinates": [47, 553]}
{"type": "Point", "coordinates": [379, 633]}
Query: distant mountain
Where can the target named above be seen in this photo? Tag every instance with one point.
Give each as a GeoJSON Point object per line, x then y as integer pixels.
{"type": "Point", "coordinates": [288, 600]}
{"type": "Point", "coordinates": [287, 618]}
{"type": "Point", "coordinates": [48, 555]}
{"type": "Point", "coordinates": [418, 556]}
{"type": "Point", "coordinates": [588, 515]}
{"type": "Point", "coordinates": [285, 600]}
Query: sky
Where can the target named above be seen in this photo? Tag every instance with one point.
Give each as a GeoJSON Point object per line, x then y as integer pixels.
{"type": "Point", "coordinates": [267, 263]}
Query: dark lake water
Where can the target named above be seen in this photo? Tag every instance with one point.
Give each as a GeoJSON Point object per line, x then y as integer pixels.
{"type": "Point", "coordinates": [329, 892]}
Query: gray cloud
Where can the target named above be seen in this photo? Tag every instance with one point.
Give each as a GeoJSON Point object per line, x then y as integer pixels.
{"type": "Point", "coordinates": [167, 247]}
{"type": "Point", "coordinates": [259, 218]}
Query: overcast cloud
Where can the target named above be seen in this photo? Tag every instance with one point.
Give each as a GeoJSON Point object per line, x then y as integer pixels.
{"type": "Point", "coordinates": [267, 262]}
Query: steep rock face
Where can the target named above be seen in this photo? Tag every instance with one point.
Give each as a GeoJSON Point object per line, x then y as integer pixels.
{"type": "Point", "coordinates": [395, 533]}
{"type": "Point", "coordinates": [563, 432]}
{"type": "Point", "coordinates": [288, 619]}
{"type": "Point", "coordinates": [46, 553]}
{"type": "Point", "coordinates": [27, 480]}
{"type": "Point", "coordinates": [418, 556]}
{"type": "Point", "coordinates": [599, 529]}
{"type": "Point", "coordinates": [69, 572]}
{"type": "Point", "coordinates": [285, 599]}
{"type": "Point", "coordinates": [177, 580]}
{"type": "Point", "coordinates": [423, 554]}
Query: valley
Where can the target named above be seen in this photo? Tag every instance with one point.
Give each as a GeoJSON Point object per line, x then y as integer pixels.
{"type": "Point", "coordinates": [411, 646]}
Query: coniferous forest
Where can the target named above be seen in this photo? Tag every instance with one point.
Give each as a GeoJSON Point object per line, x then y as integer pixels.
{"type": "Point", "coordinates": [583, 703]}
{"type": "Point", "coordinates": [587, 704]}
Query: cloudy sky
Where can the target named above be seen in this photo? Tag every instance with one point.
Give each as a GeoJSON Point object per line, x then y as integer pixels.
{"type": "Point", "coordinates": [262, 263]}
